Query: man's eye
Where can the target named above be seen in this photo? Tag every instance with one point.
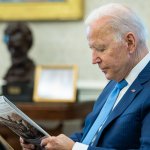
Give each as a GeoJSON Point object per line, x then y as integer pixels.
{"type": "Point", "coordinates": [100, 49]}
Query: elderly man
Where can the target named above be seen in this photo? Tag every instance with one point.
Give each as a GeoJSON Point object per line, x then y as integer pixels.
{"type": "Point", "coordinates": [121, 115]}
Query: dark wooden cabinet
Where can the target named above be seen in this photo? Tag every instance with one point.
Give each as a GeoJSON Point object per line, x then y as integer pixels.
{"type": "Point", "coordinates": [48, 112]}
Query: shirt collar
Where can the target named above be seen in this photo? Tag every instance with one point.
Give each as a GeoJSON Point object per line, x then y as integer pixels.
{"type": "Point", "coordinates": [137, 69]}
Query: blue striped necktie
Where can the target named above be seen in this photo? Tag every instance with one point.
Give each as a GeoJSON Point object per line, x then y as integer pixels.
{"type": "Point", "coordinates": [104, 113]}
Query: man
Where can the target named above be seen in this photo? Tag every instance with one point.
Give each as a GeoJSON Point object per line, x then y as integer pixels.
{"type": "Point", "coordinates": [117, 38]}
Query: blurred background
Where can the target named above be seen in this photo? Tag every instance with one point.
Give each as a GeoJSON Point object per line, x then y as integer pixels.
{"type": "Point", "coordinates": [63, 42]}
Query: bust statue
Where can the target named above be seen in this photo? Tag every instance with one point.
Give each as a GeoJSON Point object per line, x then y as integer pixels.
{"type": "Point", "coordinates": [19, 39]}
{"type": "Point", "coordinates": [19, 77]}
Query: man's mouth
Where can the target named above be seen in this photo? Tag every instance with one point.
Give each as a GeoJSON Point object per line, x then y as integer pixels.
{"type": "Point", "coordinates": [103, 69]}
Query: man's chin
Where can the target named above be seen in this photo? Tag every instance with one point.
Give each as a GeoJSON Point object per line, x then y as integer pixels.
{"type": "Point", "coordinates": [108, 77]}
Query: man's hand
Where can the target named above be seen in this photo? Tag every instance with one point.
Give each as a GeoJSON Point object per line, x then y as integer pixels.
{"type": "Point", "coordinates": [60, 142]}
{"type": "Point", "coordinates": [26, 146]}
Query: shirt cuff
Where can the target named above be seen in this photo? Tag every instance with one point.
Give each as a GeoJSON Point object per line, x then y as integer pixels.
{"type": "Point", "coordinates": [78, 146]}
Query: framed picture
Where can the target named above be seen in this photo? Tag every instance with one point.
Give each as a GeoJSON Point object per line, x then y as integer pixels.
{"type": "Point", "coordinates": [55, 84]}
{"type": "Point", "coordinates": [14, 10]}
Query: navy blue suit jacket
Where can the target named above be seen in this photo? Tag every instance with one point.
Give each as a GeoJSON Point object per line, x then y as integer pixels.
{"type": "Point", "coordinates": [128, 125]}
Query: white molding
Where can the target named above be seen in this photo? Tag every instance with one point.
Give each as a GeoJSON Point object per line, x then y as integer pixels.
{"type": "Point", "coordinates": [90, 89]}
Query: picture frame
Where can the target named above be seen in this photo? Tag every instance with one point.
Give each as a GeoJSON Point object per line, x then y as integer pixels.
{"type": "Point", "coordinates": [55, 83]}
{"type": "Point", "coordinates": [41, 11]}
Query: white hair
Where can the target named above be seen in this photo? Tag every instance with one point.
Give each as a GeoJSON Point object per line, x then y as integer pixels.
{"type": "Point", "coordinates": [122, 20]}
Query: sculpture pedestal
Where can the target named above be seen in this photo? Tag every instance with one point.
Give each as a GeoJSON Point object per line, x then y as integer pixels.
{"type": "Point", "coordinates": [18, 92]}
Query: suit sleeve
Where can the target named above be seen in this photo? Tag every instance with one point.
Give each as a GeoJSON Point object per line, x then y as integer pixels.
{"type": "Point", "coordinates": [145, 130]}
{"type": "Point", "coordinates": [99, 148]}
{"type": "Point", "coordinates": [78, 136]}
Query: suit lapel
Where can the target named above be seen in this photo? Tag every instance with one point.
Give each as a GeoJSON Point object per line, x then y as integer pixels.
{"type": "Point", "coordinates": [98, 106]}
{"type": "Point", "coordinates": [124, 102]}
{"type": "Point", "coordinates": [100, 102]}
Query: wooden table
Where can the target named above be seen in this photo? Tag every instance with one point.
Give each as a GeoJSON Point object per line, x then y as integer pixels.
{"type": "Point", "coordinates": [56, 111]}
{"type": "Point", "coordinates": [49, 112]}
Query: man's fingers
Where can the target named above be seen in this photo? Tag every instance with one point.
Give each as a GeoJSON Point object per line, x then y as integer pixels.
{"type": "Point", "coordinates": [21, 140]}
{"type": "Point", "coordinates": [44, 142]}
{"type": "Point", "coordinates": [26, 146]}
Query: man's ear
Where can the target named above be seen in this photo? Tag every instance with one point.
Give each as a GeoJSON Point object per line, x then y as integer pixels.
{"type": "Point", "coordinates": [131, 42]}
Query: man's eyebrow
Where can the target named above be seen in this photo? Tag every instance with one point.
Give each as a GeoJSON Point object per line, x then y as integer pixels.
{"type": "Point", "coordinates": [97, 46]}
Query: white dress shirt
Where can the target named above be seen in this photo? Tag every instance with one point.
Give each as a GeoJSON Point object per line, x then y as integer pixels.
{"type": "Point", "coordinates": [130, 78]}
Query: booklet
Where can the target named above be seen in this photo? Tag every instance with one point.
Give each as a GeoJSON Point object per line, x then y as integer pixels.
{"type": "Point", "coordinates": [21, 124]}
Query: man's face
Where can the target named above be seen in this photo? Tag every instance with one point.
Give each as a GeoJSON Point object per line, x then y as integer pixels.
{"type": "Point", "coordinates": [111, 55]}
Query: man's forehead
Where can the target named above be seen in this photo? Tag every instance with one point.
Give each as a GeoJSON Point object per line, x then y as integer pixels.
{"type": "Point", "coordinates": [101, 26]}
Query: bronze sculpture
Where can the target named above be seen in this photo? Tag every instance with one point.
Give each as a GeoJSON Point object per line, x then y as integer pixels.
{"type": "Point", "coordinates": [19, 39]}
{"type": "Point", "coordinates": [19, 77]}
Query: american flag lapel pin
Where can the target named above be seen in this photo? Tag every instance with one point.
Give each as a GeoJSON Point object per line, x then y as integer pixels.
{"type": "Point", "coordinates": [133, 90]}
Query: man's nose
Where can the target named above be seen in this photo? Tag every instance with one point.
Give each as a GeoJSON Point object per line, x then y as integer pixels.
{"type": "Point", "coordinates": [95, 58]}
